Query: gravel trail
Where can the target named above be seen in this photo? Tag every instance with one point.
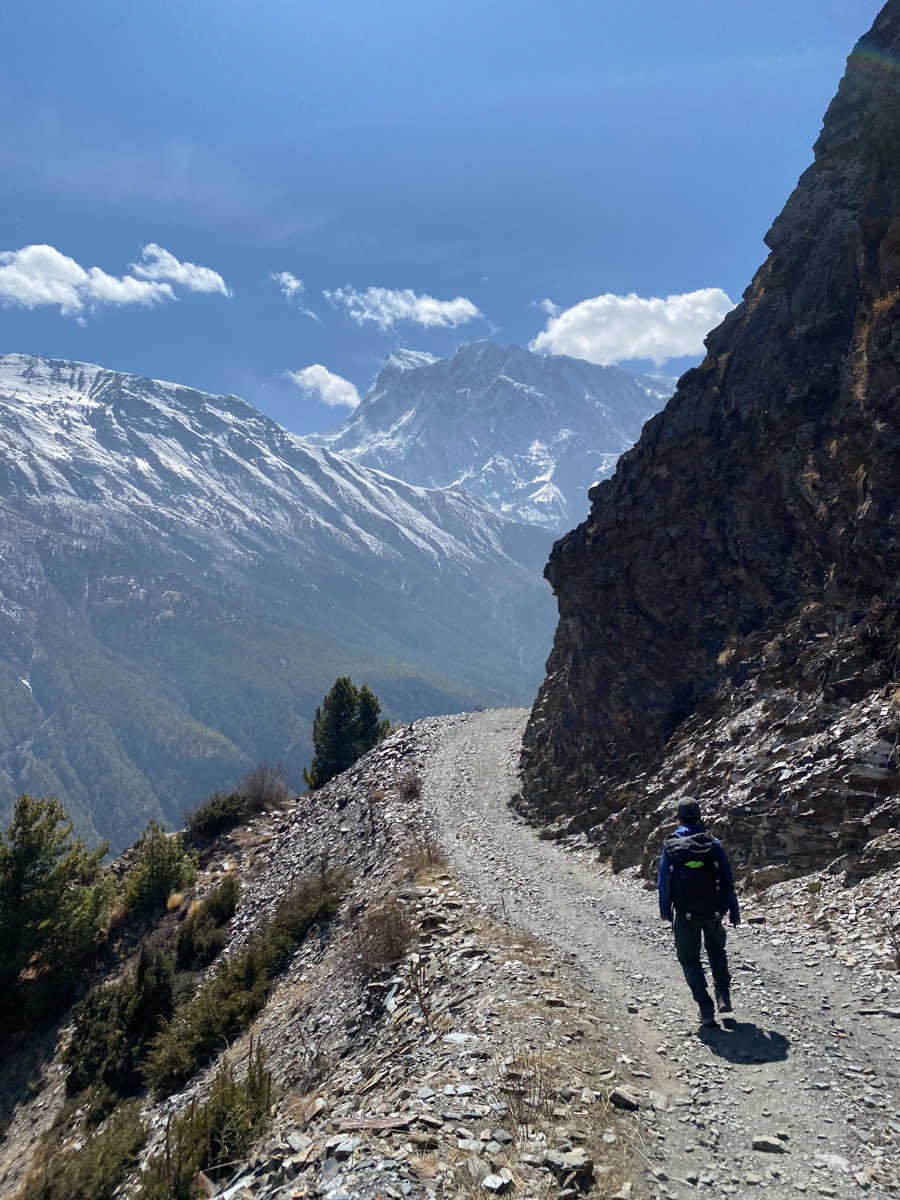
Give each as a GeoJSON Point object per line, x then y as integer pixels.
{"type": "Point", "coordinates": [809, 1060]}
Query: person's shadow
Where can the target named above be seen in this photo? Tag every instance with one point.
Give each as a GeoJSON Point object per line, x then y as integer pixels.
{"type": "Point", "coordinates": [744, 1042]}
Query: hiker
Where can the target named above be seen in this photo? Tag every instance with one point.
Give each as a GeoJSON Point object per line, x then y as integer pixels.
{"type": "Point", "coordinates": [695, 881]}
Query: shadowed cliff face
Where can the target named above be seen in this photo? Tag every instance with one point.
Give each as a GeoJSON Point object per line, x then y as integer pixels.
{"type": "Point", "coordinates": [768, 483]}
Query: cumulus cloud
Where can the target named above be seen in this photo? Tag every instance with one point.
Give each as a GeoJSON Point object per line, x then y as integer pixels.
{"type": "Point", "coordinates": [385, 306]}
{"type": "Point", "coordinates": [292, 289]}
{"type": "Point", "coordinates": [330, 388]}
{"type": "Point", "coordinates": [41, 275]}
{"type": "Point", "coordinates": [37, 276]}
{"type": "Point", "coordinates": [611, 329]}
{"type": "Point", "coordinates": [158, 264]}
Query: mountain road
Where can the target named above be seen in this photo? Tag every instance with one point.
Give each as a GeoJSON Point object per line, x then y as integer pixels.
{"type": "Point", "coordinates": [808, 1064]}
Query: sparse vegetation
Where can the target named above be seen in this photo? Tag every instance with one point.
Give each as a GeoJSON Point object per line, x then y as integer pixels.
{"type": "Point", "coordinates": [225, 1004]}
{"type": "Point", "coordinates": [162, 868]}
{"type": "Point", "coordinates": [346, 725]}
{"type": "Point", "coordinates": [212, 1134]}
{"type": "Point", "coordinates": [375, 800]}
{"type": "Point", "coordinates": [116, 1023]}
{"type": "Point", "coordinates": [520, 1079]}
{"type": "Point", "coordinates": [54, 901]}
{"type": "Point", "coordinates": [420, 985]}
{"type": "Point", "coordinates": [94, 1169]}
{"type": "Point", "coordinates": [264, 788]}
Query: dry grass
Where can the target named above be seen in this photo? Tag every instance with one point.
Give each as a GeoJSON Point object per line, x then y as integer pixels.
{"type": "Point", "coordinates": [422, 854]}
{"type": "Point", "coordinates": [520, 1081]}
{"type": "Point", "coordinates": [511, 936]}
{"type": "Point", "coordinates": [382, 936]}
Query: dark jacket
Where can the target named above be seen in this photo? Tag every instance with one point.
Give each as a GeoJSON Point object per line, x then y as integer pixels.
{"type": "Point", "coordinates": [662, 877]}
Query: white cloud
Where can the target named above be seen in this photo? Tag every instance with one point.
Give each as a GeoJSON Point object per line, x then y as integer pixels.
{"type": "Point", "coordinates": [42, 275]}
{"type": "Point", "coordinates": [611, 329]}
{"type": "Point", "coordinates": [384, 306]}
{"type": "Point", "coordinates": [292, 289]}
{"type": "Point", "coordinates": [547, 306]}
{"type": "Point", "coordinates": [159, 265]}
{"type": "Point", "coordinates": [291, 286]}
{"type": "Point", "coordinates": [35, 276]}
{"type": "Point", "coordinates": [330, 388]}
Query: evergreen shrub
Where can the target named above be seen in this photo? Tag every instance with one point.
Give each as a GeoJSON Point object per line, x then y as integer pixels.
{"type": "Point", "coordinates": [162, 868]}
{"type": "Point", "coordinates": [114, 1026]}
{"type": "Point", "coordinates": [202, 935]}
{"type": "Point", "coordinates": [214, 1134]}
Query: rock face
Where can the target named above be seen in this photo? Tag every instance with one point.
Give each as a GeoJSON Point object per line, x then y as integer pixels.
{"type": "Point", "coordinates": [745, 552]}
{"type": "Point", "coordinates": [525, 432]}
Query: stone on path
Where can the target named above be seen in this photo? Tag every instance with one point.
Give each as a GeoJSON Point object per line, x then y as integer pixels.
{"type": "Point", "coordinates": [621, 1097]}
{"type": "Point", "coordinates": [770, 1145]}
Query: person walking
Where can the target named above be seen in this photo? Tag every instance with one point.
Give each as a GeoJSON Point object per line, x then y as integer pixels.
{"type": "Point", "coordinates": [696, 888]}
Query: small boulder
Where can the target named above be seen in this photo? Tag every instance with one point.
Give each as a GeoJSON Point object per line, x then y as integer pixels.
{"type": "Point", "coordinates": [769, 1145]}
{"type": "Point", "coordinates": [621, 1097]}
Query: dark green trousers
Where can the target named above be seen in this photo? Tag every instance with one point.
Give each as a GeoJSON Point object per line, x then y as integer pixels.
{"type": "Point", "coordinates": [688, 935]}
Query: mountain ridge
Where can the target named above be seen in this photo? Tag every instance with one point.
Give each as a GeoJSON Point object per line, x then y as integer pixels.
{"type": "Point", "coordinates": [528, 433]}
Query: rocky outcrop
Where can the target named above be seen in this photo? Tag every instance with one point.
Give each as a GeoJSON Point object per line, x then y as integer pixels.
{"type": "Point", "coordinates": [745, 552]}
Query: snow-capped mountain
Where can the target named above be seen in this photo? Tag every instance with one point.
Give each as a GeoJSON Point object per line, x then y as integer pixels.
{"type": "Point", "coordinates": [174, 563]}
{"type": "Point", "coordinates": [527, 433]}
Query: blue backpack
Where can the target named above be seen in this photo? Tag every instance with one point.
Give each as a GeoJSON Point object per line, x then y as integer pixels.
{"type": "Point", "coordinates": [696, 887]}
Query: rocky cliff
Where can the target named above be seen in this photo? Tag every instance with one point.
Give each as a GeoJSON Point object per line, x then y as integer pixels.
{"type": "Point", "coordinates": [742, 565]}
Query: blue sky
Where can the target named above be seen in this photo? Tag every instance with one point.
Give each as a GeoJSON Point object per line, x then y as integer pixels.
{"type": "Point", "coordinates": [486, 154]}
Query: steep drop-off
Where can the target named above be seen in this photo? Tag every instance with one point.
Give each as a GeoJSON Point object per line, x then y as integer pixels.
{"type": "Point", "coordinates": [744, 559]}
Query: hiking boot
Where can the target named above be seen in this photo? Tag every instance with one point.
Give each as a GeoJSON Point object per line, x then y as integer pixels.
{"type": "Point", "coordinates": [723, 998]}
{"type": "Point", "coordinates": [707, 1015]}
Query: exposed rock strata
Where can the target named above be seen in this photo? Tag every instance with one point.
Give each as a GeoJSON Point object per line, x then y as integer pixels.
{"type": "Point", "coordinates": [744, 556]}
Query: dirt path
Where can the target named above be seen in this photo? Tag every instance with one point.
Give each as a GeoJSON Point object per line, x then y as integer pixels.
{"type": "Point", "coordinates": [809, 1059]}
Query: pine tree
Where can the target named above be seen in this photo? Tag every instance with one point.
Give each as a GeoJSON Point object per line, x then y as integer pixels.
{"type": "Point", "coordinates": [54, 895]}
{"type": "Point", "coordinates": [346, 725]}
{"type": "Point", "coordinates": [369, 728]}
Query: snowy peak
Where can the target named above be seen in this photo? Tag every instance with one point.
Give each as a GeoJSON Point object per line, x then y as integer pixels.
{"type": "Point", "coordinates": [407, 360]}
{"type": "Point", "coordinates": [529, 434]}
